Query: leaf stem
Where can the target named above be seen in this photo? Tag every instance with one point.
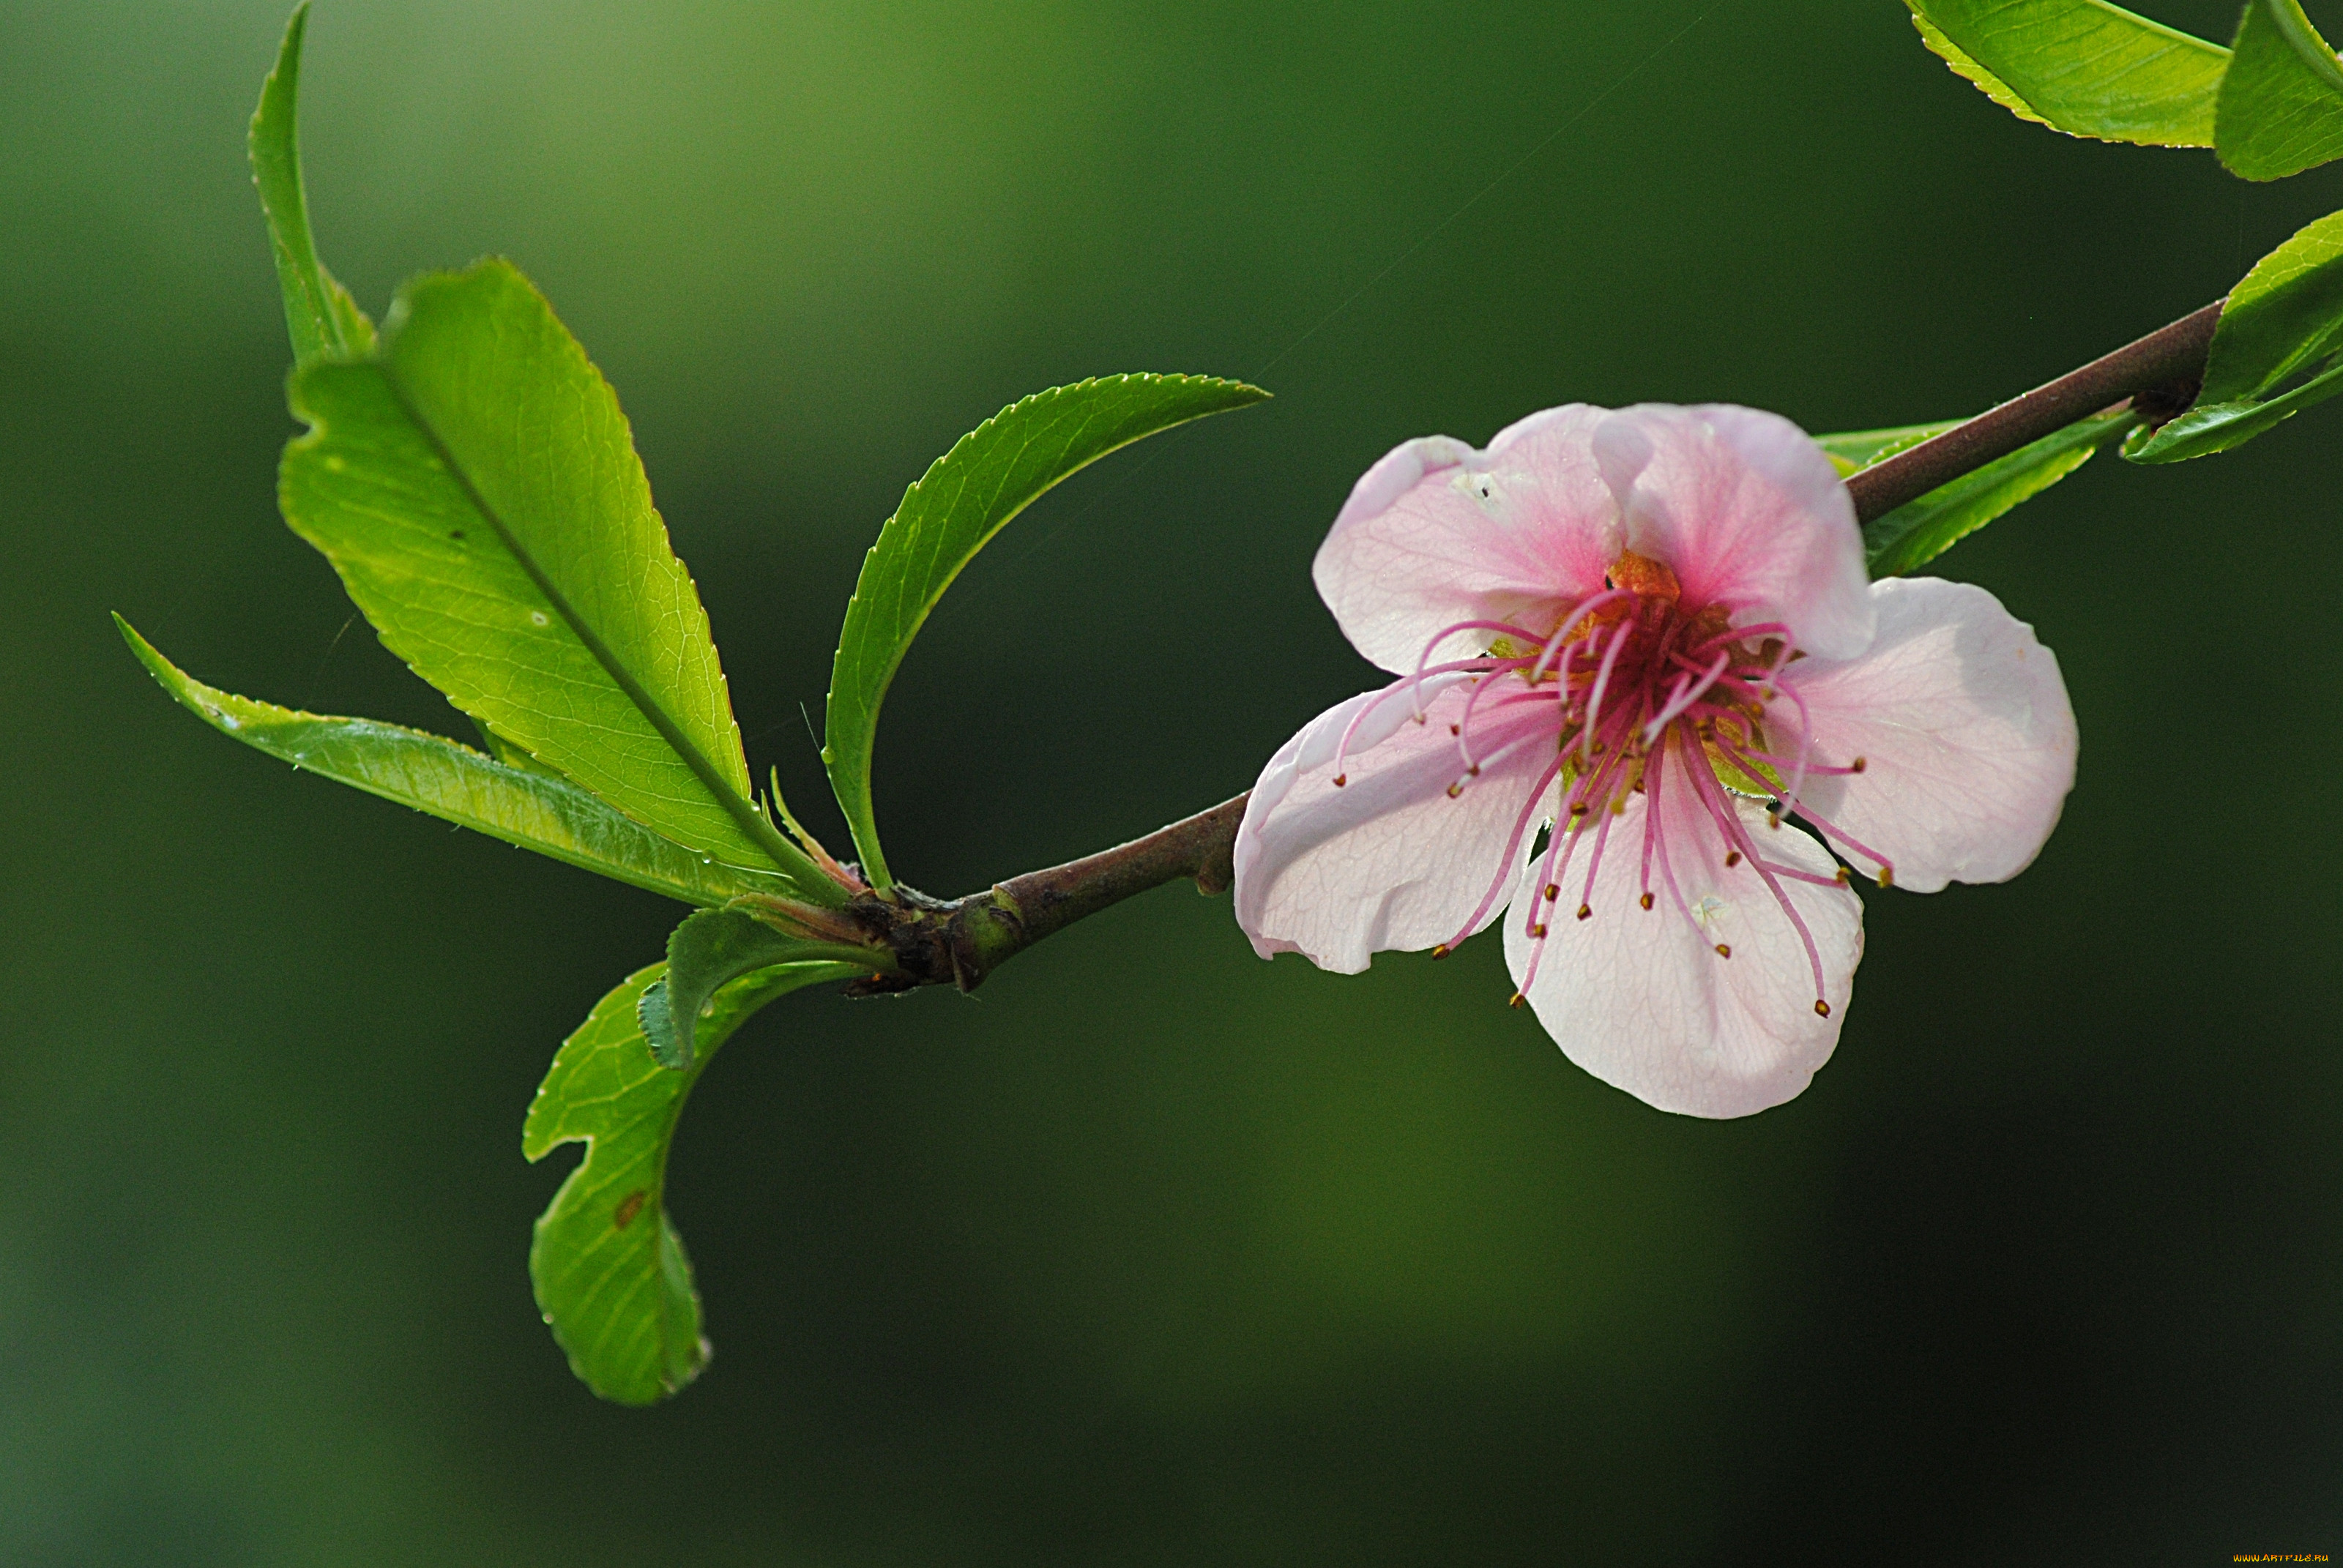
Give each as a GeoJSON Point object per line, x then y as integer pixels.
{"type": "Point", "coordinates": [2170, 359]}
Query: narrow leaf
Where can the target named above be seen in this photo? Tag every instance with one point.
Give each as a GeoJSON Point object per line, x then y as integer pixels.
{"type": "Point", "coordinates": [709, 950]}
{"type": "Point", "coordinates": [528, 807]}
{"type": "Point", "coordinates": [1920, 530]}
{"type": "Point", "coordinates": [2210, 427]}
{"type": "Point", "coordinates": [319, 313]}
{"type": "Point", "coordinates": [2281, 104]}
{"type": "Point", "coordinates": [478, 489]}
{"type": "Point", "coordinates": [610, 1268]}
{"type": "Point", "coordinates": [2082, 66]}
{"type": "Point", "coordinates": [990, 475]}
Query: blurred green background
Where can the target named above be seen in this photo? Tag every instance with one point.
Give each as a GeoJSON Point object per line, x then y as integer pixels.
{"type": "Point", "coordinates": [1154, 1252]}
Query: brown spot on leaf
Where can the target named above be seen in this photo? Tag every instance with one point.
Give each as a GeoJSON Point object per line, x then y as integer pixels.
{"type": "Point", "coordinates": [629, 1207]}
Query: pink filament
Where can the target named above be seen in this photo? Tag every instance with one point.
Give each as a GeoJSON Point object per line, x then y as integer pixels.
{"type": "Point", "coordinates": [1505, 862]}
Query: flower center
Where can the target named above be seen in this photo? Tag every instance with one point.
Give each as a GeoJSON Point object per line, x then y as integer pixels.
{"type": "Point", "coordinates": [1636, 679]}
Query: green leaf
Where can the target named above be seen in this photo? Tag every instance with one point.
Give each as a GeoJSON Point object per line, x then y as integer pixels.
{"type": "Point", "coordinates": [1920, 530]}
{"type": "Point", "coordinates": [2210, 427]}
{"type": "Point", "coordinates": [1991, 86]}
{"type": "Point", "coordinates": [1852, 451]}
{"type": "Point", "coordinates": [2283, 316]}
{"type": "Point", "coordinates": [478, 489]}
{"type": "Point", "coordinates": [530, 808]}
{"type": "Point", "coordinates": [2281, 105]}
{"type": "Point", "coordinates": [319, 313]}
{"type": "Point", "coordinates": [2082, 66]}
{"type": "Point", "coordinates": [610, 1268]}
{"type": "Point", "coordinates": [989, 476]}
{"type": "Point", "coordinates": [709, 950]}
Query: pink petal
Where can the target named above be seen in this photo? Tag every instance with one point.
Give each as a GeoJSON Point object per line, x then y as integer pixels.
{"type": "Point", "coordinates": [1963, 723]}
{"type": "Point", "coordinates": [1747, 512]}
{"type": "Point", "coordinates": [1390, 859]}
{"type": "Point", "coordinates": [1640, 997]}
{"type": "Point", "coordinates": [1437, 533]}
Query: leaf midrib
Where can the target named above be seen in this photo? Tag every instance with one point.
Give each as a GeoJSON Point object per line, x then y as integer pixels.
{"type": "Point", "coordinates": [761, 832]}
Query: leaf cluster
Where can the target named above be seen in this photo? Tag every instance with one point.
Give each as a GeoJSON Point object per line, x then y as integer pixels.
{"type": "Point", "coordinates": [2270, 104]}
{"type": "Point", "coordinates": [471, 477]}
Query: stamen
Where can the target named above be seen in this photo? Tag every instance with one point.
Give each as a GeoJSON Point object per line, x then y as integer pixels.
{"type": "Point", "coordinates": [1499, 755]}
{"type": "Point", "coordinates": [1602, 680]}
{"type": "Point", "coordinates": [1342, 745]}
{"type": "Point", "coordinates": [1729, 821]}
{"type": "Point", "coordinates": [1724, 951]}
{"type": "Point", "coordinates": [1655, 775]}
{"type": "Point", "coordinates": [1558, 846]}
{"type": "Point", "coordinates": [1806, 742]}
{"type": "Point", "coordinates": [1505, 862]}
{"type": "Point", "coordinates": [1830, 830]}
{"type": "Point", "coordinates": [1776, 806]}
{"type": "Point", "coordinates": [1814, 769]}
{"type": "Point", "coordinates": [1797, 876]}
{"type": "Point", "coordinates": [1668, 873]}
{"type": "Point", "coordinates": [1595, 861]}
{"type": "Point", "coordinates": [1645, 901]}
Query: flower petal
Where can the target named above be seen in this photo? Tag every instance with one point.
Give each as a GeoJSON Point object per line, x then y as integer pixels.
{"type": "Point", "coordinates": [1748, 513]}
{"type": "Point", "coordinates": [1963, 724]}
{"type": "Point", "coordinates": [1390, 859]}
{"type": "Point", "coordinates": [1437, 533]}
{"type": "Point", "coordinates": [1641, 999]}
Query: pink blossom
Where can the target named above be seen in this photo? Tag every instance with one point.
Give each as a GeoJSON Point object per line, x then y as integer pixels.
{"type": "Point", "coordinates": [1651, 631]}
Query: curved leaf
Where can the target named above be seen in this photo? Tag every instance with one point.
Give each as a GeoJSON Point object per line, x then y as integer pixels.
{"type": "Point", "coordinates": [2210, 427]}
{"type": "Point", "coordinates": [478, 489]}
{"type": "Point", "coordinates": [2082, 66]}
{"type": "Point", "coordinates": [535, 809]}
{"type": "Point", "coordinates": [709, 950]}
{"type": "Point", "coordinates": [319, 313]}
{"type": "Point", "coordinates": [2284, 316]}
{"type": "Point", "coordinates": [608, 1267]}
{"type": "Point", "coordinates": [990, 475]}
{"type": "Point", "coordinates": [2281, 104]}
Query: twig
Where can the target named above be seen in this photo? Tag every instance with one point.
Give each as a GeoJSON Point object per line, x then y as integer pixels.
{"type": "Point", "coordinates": [2169, 360]}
